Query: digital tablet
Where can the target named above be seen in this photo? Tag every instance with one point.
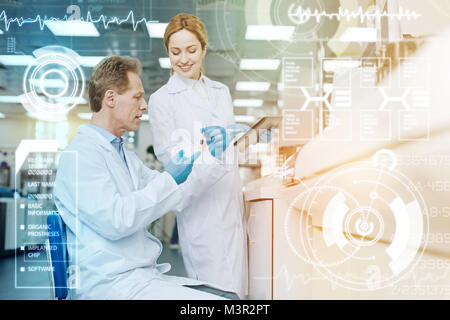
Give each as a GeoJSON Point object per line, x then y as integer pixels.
{"type": "Point", "coordinates": [263, 123]}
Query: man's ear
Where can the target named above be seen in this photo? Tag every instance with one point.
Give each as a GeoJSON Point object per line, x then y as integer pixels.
{"type": "Point", "coordinates": [110, 98]}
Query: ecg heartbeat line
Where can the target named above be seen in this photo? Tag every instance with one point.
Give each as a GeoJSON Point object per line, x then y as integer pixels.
{"type": "Point", "coordinates": [428, 278]}
{"type": "Point", "coordinates": [305, 278]}
{"type": "Point", "coordinates": [43, 21]}
{"type": "Point", "coordinates": [292, 279]}
{"type": "Point", "coordinates": [299, 15]}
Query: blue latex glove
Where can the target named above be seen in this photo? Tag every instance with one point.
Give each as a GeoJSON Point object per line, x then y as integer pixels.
{"type": "Point", "coordinates": [215, 139]}
{"type": "Point", "coordinates": [218, 138]}
{"type": "Point", "coordinates": [180, 166]}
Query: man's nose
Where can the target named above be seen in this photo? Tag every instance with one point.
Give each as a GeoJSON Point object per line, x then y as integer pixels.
{"type": "Point", "coordinates": [144, 106]}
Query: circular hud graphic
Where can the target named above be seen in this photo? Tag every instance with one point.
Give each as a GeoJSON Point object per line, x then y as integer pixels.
{"type": "Point", "coordinates": [53, 84]}
{"type": "Point", "coordinates": [362, 226]}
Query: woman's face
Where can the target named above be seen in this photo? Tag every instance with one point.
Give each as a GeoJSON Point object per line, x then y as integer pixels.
{"type": "Point", "coordinates": [186, 54]}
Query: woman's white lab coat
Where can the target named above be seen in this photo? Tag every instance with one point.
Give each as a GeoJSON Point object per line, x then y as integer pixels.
{"type": "Point", "coordinates": [107, 208]}
{"type": "Point", "coordinates": [211, 229]}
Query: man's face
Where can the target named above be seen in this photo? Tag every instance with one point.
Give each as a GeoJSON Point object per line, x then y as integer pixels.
{"type": "Point", "coordinates": [130, 105]}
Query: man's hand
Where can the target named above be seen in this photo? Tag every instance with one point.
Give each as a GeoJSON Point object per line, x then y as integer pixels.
{"type": "Point", "coordinates": [180, 166]}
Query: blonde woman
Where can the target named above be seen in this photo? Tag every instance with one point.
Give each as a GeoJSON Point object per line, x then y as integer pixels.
{"type": "Point", "coordinates": [211, 227]}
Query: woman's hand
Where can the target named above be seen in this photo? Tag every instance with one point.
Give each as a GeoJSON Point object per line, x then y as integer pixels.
{"type": "Point", "coordinates": [218, 138]}
{"type": "Point", "coordinates": [215, 139]}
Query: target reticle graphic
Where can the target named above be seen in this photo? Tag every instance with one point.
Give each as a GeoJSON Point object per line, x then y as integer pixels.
{"type": "Point", "coordinates": [53, 84]}
{"type": "Point", "coordinates": [298, 223]}
{"type": "Point", "coordinates": [358, 218]}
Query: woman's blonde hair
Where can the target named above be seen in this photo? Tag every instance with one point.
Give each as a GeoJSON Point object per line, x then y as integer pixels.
{"type": "Point", "coordinates": [190, 23]}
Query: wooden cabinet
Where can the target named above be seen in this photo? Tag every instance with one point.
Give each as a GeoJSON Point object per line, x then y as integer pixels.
{"type": "Point", "coordinates": [259, 229]}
